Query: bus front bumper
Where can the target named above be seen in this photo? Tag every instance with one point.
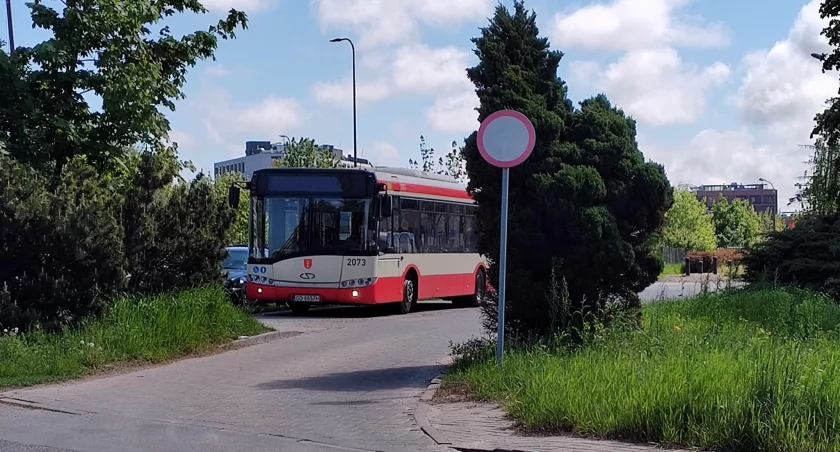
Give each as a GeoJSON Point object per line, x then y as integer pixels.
{"type": "Point", "coordinates": [386, 290]}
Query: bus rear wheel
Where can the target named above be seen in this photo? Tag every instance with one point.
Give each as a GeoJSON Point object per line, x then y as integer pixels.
{"type": "Point", "coordinates": [299, 308]}
{"type": "Point", "coordinates": [474, 300]}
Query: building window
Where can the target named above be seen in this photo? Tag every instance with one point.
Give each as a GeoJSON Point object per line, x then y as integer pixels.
{"type": "Point", "coordinates": [755, 200]}
{"type": "Point", "coordinates": [769, 200]}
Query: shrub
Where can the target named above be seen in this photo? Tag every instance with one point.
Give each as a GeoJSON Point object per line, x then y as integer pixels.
{"type": "Point", "coordinates": [75, 245]}
{"type": "Point", "coordinates": [725, 258]}
{"type": "Point", "coordinates": [807, 256]}
{"type": "Point", "coordinates": [62, 249]}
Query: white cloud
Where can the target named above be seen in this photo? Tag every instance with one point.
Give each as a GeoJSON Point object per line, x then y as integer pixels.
{"type": "Point", "coordinates": [781, 91]}
{"type": "Point", "coordinates": [726, 156]}
{"type": "Point", "coordinates": [387, 22]}
{"type": "Point", "coordinates": [226, 125]}
{"type": "Point", "coordinates": [425, 70]}
{"type": "Point", "coordinates": [184, 140]}
{"type": "Point", "coordinates": [340, 94]}
{"type": "Point", "coordinates": [384, 153]}
{"type": "Point", "coordinates": [267, 118]}
{"type": "Point", "coordinates": [217, 70]}
{"type": "Point", "coordinates": [655, 86]}
{"type": "Point", "coordinates": [415, 69]}
{"type": "Point", "coordinates": [248, 6]}
{"type": "Point", "coordinates": [624, 25]}
{"type": "Point", "coordinates": [455, 113]}
{"type": "Point", "coordinates": [784, 87]}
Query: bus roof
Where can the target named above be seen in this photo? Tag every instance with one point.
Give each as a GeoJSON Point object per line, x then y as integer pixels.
{"type": "Point", "coordinates": [399, 181]}
{"type": "Point", "coordinates": [411, 182]}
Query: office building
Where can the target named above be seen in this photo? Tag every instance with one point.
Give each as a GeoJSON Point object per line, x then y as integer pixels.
{"type": "Point", "coordinates": [760, 196]}
{"type": "Point", "coordinates": [262, 154]}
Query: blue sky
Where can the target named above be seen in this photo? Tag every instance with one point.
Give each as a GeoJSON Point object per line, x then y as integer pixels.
{"type": "Point", "coordinates": [721, 92]}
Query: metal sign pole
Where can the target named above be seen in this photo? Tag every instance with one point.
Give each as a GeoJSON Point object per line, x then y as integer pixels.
{"type": "Point", "coordinates": [500, 345]}
{"type": "Point", "coordinates": [505, 139]}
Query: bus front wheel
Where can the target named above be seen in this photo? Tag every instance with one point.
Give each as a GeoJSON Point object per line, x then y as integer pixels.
{"type": "Point", "coordinates": [299, 308]}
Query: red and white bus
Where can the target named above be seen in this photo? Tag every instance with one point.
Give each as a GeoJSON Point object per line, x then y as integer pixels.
{"type": "Point", "coordinates": [361, 237]}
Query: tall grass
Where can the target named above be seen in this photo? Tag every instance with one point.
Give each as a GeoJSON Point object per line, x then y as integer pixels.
{"type": "Point", "coordinates": [135, 330]}
{"type": "Point", "coordinates": [749, 370]}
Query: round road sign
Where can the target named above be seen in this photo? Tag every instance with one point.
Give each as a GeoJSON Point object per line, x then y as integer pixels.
{"type": "Point", "coordinates": [506, 138]}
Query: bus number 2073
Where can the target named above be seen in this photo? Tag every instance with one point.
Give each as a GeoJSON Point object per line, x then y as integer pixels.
{"type": "Point", "coordinates": [351, 262]}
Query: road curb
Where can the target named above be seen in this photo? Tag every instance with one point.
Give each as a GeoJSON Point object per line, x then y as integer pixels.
{"type": "Point", "coordinates": [259, 339]}
{"type": "Point", "coordinates": [421, 414]}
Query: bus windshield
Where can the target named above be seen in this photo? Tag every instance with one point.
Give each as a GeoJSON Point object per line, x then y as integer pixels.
{"type": "Point", "coordinates": [300, 226]}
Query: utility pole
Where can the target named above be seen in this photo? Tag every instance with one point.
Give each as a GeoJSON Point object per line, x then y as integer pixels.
{"type": "Point", "coordinates": [11, 28]}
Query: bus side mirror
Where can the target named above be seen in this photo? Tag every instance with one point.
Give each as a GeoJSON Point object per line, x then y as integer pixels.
{"type": "Point", "coordinates": [385, 206]}
{"type": "Point", "coordinates": [233, 197]}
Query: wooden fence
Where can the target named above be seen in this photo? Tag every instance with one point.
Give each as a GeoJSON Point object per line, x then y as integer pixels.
{"type": "Point", "coordinates": [673, 255]}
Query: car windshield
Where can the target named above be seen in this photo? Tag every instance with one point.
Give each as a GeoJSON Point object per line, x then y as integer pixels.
{"type": "Point", "coordinates": [237, 259]}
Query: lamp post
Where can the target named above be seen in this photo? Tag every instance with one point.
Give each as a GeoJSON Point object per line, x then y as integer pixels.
{"type": "Point", "coordinates": [353, 50]}
{"type": "Point", "coordinates": [775, 202]}
{"type": "Point", "coordinates": [11, 28]}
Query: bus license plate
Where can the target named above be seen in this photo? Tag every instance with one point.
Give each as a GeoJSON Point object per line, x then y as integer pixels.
{"type": "Point", "coordinates": [306, 298]}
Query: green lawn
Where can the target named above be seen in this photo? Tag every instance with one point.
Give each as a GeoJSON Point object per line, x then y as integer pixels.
{"type": "Point", "coordinates": [743, 370]}
{"type": "Point", "coordinates": [672, 270]}
{"type": "Point", "coordinates": [143, 330]}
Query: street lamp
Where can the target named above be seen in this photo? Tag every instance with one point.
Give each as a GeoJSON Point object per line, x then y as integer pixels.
{"type": "Point", "coordinates": [775, 202]}
{"type": "Point", "coordinates": [353, 50]}
{"type": "Point", "coordinates": [819, 56]}
{"type": "Point", "coordinates": [288, 144]}
{"type": "Point", "coordinates": [11, 28]}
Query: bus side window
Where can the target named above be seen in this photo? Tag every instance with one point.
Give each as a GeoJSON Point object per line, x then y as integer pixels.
{"type": "Point", "coordinates": [470, 233]}
{"type": "Point", "coordinates": [409, 227]}
{"type": "Point", "coordinates": [456, 228]}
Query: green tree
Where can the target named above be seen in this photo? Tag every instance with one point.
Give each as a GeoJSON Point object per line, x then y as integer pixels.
{"type": "Point", "coordinates": [770, 222]}
{"type": "Point", "coordinates": [114, 49]}
{"type": "Point", "coordinates": [304, 153]}
{"type": "Point", "coordinates": [452, 164]}
{"type": "Point", "coordinates": [238, 232]}
{"type": "Point", "coordinates": [688, 225]}
{"type": "Point", "coordinates": [821, 192]}
{"type": "Point", "coordinates": [585, 208]}
{"type": "Point", "coordinates": [737, 225]}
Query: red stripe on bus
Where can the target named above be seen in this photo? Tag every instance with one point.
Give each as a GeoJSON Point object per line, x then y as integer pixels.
{"type": "Point", "coordinates": [428, 190]}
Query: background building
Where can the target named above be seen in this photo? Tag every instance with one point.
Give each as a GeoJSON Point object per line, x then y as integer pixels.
{"type": "Point", "coordinates": [760, 196]}
{"type": "Point", "coordinates": [262, 154]}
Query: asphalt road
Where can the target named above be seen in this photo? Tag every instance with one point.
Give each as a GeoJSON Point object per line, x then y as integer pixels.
{"type": "Point", "coordinates": [349, 381]}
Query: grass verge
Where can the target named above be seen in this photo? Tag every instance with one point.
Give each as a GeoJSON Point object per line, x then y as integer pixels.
{"type": "Point", "coordinates": [739, 370]}
{"type": "Point", "coordinates": [672, 270]}
{"type": "Point", "coordinates": [134, 331]}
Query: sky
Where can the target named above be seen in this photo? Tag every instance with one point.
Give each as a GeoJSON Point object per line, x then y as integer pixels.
{"type": "Point", "coordinates": [720, 92]}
